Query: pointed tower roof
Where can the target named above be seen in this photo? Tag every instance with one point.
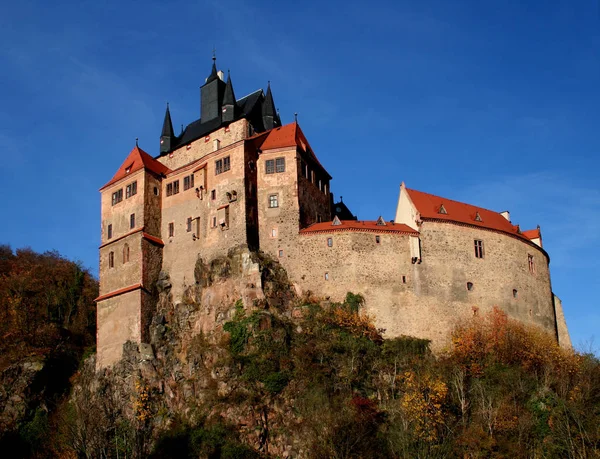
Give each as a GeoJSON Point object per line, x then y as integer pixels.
{"type": "Point", "coordinates": [229, 97]}
{"type": "Point", "coordinates": [268, 108]}
{"type": "Point", "coordinates": [167, 129]}
{"type": "Point", "coordinates": [213, 74]}
{"type": "Point", "coordinates": [136, 160]}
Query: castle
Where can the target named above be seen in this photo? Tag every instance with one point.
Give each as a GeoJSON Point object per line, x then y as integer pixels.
{"type": "Point", "coordinates": [237, 177]}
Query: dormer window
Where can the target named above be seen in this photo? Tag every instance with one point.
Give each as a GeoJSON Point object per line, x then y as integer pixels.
{"type": "Point", "coordinates": [336, 220]}
{"type": "Point", "coordinates": [381, 221]}
{"type": "Point", "coordinates": [478, 217]}
{"type": "Point", "coordinates": [443, 210]}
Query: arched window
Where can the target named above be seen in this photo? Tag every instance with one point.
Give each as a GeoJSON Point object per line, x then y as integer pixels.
{"type": "Point", "coordinates": [515, 293]}
{"type": "Point", "coordinates": [126, 253]}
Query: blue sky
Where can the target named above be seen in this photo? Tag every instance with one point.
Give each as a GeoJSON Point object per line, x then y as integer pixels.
{"type": "Point", "coordinates": [492, 103]}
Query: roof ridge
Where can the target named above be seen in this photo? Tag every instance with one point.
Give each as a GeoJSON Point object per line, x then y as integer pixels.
{"type": "Point", "coordinates": [453, 200]}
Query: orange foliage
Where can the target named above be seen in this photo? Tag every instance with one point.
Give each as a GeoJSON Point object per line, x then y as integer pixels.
{"type": "Point", "coordinates": [357, 324]}
{"type": "Point", "coordinates": [495, 337]}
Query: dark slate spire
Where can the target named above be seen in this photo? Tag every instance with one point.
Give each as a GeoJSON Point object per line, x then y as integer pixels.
{"type": "Point", "coordinates": [213, 74]}
{"type": "Point", "coordinates": [167, 136]}
{"type": "Point", "coordinates": [211, 95]}
{"type": "Point", "coordinates": [229, 104]}
{"type": "Point", "coordinates": [269, 113]}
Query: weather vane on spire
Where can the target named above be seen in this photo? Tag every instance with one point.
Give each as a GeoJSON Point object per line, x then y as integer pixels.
{"type": "Point", "coordinates": [214, 58]}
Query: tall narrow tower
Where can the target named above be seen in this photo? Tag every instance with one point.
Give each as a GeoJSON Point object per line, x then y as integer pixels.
{"type": "Point", "coordinates": [130, 254]}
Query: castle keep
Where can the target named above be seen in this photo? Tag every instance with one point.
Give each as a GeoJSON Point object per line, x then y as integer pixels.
{"type": "Point", "coordinates": [237, 178]}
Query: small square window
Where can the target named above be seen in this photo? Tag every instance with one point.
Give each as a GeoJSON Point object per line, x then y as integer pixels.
{"type": "Point", "coordinates": [226, 164]}
{"type": "Point", "coordinates": [189, 224]}
{"type": "Point", "coordinates": [469, 286]}
{"type": "Point", "coordinates": [169, 189]}
{"type": "Point", "coordinates": [155, 191]}
{"type": "Point", "coordinates": [270, 166]}
{"type": "Point", "coordinates": [515, 293]}
{"type": "Point", "coordinates": [273, 200]}
{"type": "Point", "coordinates": [273, 232]}
{"type": "Point", "coordinates": [280, 165]}
{"type": "Point", "coordinates": [171, 229]}
{"type": "Point", "coordinates": [188, 182]}
{"type": "Point", "coordinates": [280, 253]}
{"type": "Point", "coordinates": [377, 239]}
{"type": "Point", "coordinates": [117, 196]}
{"type": "Point", "coordinates": [131, 189]}
{"type": "Point", "coordinates": [132, 221]}
{"type": "Point", "coordinates": [329, 242]}
{"type": "Point", "coordinates": [218, 166]}
{"type": "Point", "coordinates": [326, 276]}
{"type": "Point", "coordinates": [109, 235]}
{"type": "Point", "coordinates": [176, 187]}
{"type": "Point", "coordinates": [213, 194]}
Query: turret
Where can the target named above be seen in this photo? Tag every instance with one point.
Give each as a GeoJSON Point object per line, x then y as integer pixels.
{"type": "Point", "coordinates": [269, 113]}
{"type": "Point", "coordinates": [167, 136]}
{"type": "Point", "coordinates": [229, 105]}
{"type": "Point", "coordinates": [211, 95]}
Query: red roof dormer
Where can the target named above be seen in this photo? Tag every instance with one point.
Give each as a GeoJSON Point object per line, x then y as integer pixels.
{"type": "Point", "coordinates": [136, 160]}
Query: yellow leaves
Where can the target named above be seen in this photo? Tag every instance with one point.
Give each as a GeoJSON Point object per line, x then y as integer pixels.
{"type": "Point", "coordinates": [501, 339]}
{"type": "Point", "coordinates": [358, 324]}
{"type": "Point", "coordinates": [422, 404]}
{"type": "Point", "coordinates": [141, 402]}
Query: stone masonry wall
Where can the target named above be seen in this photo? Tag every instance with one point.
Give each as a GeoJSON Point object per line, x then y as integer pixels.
{"type": "Point", "coordinates": [118, 215]}
{"type": "Point", "coordinates": [561, 325]}
{"type": "Point", "coordinates": [124, 273]}
{"type": "Point", "coordinates": [205, 239]}
{"type": "Point", "coordinates": [278, 226]}
{"type": "Point", "coordinates": [199, 148]}
{"type": "Point", "coordinates": [119, 320]}
{"type": "Point", "coordinates": [428, 299]}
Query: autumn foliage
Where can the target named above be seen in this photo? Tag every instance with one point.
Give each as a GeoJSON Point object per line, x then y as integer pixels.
{"type": "Point", "coordinates": [43, 298]}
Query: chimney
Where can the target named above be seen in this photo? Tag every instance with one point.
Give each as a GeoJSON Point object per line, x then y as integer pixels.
{"type": "Point", "coordinates": [506, 214]}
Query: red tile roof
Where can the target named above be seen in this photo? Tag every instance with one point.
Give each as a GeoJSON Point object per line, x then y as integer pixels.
{"type": "Point", "coordinates": [429, 205]}
{"type": "Point", "coordinates": [289, 135]}
{"type": "Point", "coordinates": [131, 288]}
{"type": "Point", "coordinates": [359, 226]}
{"type": "Point", "coordinates": [532, 234]}
{"type": "Point", "coordinates": [136, 160]}
{"type": "Point", "coordinates": [154, 239]}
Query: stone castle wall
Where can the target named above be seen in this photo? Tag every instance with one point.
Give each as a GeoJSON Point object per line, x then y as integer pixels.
{"type": "Point", "coordinates": [118, 320]}
{"type": "Point", "coordinates": [207, 237]}
{"type": "Point", "coordinates": [430, 298]}
{"type": "Point", "coordinates": [200, 148]}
